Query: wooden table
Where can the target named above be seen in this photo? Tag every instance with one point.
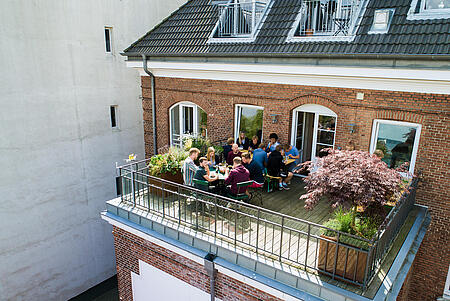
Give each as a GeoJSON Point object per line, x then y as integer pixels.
{"type": "Point", "coordinates": [288, 161]}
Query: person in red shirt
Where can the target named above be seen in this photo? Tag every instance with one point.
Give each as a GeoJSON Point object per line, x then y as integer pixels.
{"type": "Point", "coordinates": [237, 175]}
{"type": "Point", "coordinates": [233, 154]}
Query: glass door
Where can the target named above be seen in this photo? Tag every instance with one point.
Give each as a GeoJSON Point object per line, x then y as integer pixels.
{"type": "Point", "coordinates": [313, 129]}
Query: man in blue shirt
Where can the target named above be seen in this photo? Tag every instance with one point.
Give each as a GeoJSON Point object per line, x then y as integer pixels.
{"type": "Point", "coordinates": [291, 152]}
{"type": "Point", "coordinates": [260, 156]}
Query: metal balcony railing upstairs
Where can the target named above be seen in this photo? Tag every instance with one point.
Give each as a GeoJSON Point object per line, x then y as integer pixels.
{"type": "Point", "coordinates": [329, 17]}
{"type": "Point", "coordinates": [278, 236]}
{"type": "Point", "coordinates": [239, 18]}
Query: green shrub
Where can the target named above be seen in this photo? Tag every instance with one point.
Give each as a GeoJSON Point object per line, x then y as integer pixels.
{"type": "Point", "coordinates": [169, 162]}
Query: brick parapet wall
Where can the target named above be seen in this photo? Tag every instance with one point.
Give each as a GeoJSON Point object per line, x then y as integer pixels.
{"type": "Point", "coordinates": [131, 248]}
{"type": "Point", "coordinates": [432, 111]}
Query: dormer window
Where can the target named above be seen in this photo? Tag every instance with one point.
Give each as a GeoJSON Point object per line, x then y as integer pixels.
{"type": "Point", "coordinates": [327, 17]}
{"type": "Point", "coordinates": [239, 19]}
{"type": "Point", "coordinates": [431, 5]}
{"type": "Point", "coordinates": [429, 9]}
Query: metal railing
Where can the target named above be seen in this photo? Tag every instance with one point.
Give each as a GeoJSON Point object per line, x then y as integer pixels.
{"type": "Point", "coordinates": [328, 18]}
{"type": "Point", "coordinates": [275, 235]}
{"type": "Point", "coordinates": [239, 18]}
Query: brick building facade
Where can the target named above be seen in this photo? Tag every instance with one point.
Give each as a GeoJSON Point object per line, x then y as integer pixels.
{"type": "Point", "coordinates": [218, 100]}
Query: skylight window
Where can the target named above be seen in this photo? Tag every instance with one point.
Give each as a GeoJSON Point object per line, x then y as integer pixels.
{"type": "Point", "coordinates": [381, 20]}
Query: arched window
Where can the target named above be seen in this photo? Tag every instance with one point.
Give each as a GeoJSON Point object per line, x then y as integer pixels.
{"type": "Point", "coordinates": [313, 128]}
{"type": "Point", "coordinates": [186, 120]}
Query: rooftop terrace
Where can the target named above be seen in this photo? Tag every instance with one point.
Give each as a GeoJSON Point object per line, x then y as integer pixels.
{"type": "Point", "coordinates": [278, 232]}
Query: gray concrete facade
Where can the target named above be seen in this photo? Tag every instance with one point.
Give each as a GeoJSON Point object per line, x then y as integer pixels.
{"type": "Point", "coordinates": [57, 147]}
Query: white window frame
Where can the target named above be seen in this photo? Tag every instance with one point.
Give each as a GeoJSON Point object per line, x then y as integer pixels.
{"type": "Point", "coordinates": [373, 139]}
{"type": "Point", "coordinates": [317, 110]}
{"type": "Point", "coordinates": [447, 285]}
{"type": "Point", "coordinates": [427, 14]}
{"type": "Point", "coordinates": [237, 121]}
{"type": "Point", "coordinates": [116, 116]}
{"type": "Point", "coordinates": [182, 105]}
{"type": "Point", "coordinates": [432, 10]}
{"type": "Point", "coordinates": [110, 29]}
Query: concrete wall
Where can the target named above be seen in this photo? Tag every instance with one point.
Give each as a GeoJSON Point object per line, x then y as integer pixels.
{"type": "Point", "coordinates": [57, 148]}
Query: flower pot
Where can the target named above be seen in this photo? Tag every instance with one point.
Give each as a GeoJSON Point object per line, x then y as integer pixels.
{"type": "Point", "coordinates": [309, 32]}
{"type": "Point", "coordinates": [356, 261]}
{"type": "Point", "coordinates": [176, 178]}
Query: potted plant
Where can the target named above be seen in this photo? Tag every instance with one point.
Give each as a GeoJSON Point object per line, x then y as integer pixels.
{"type": "Point", "coordinates": [167, 166]}
{"type": "Point", "coordinates": [350, 179]}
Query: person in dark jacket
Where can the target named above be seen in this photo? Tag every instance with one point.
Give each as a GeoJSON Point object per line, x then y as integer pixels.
{"type": "Point", "coordinates": [275, 167]}
{"type": "Point", "coordinates": [237, 175]}
{"type": "Point", "coordinates": [256, 172]}
{"type": "Point", "coordinates": [242, 141]}
{"type": "Point", "coordinates": [254, 143]}
{"type": "Point", "coordinates": [227, 148]}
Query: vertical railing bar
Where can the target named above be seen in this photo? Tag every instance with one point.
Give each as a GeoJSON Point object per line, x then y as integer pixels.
{"type": "Point", "coordinates": [257, 230]}
{"type": "Point", "coordinates": [235, 224]}
{"type": "Point", "coordinates": [179, 204]}
{"type": "Point", "coordinates": [307, 244]}
{"type": "Point", "coordinates": [346, 261]}
{"type": "Point", "coordinates": [356, 266]}
{"type": "Point", "coordinates": [281, 238]}
{"type": "Point", "coordinates": [215, 216]}
{"type": "Point", "coordinates": [336, 254]}
{"type": "Point", "coordinates": [162, 196]}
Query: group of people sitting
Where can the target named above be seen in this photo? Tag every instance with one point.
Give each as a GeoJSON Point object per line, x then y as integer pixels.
{"type": "Point", "coordinates": [248, 165]}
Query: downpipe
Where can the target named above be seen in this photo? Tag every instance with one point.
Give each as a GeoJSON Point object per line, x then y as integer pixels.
{"type": "Point", "coordinates": [152, 80]}
{"type": "Point", "coordinates": [212, 273]}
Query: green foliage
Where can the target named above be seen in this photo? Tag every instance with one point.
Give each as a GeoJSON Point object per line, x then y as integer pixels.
{"type": "Point", "coordinates": [202, 144]}
{"type": "Point", "coordinates": [169, 162]}
{"type": "Point", "coordinates": [251, 124]}
{"type": "Point", "coordinates": [365, 227]}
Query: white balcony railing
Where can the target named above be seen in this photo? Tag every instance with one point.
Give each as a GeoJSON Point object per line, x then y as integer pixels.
{"type": "Point", "coordinates": [239, 18]}
{"type": "Point", "coordinates": [328, 18]}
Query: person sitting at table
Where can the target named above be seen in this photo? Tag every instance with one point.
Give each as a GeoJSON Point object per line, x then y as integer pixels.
{"type": "Point", "coordinates": [237, 175]}
{"type": "Point", "coordinates": [260, 156]}
{"type": "Point", "coordinates": [212, 157]}
{"type": "Point", "coordinates": [227, 148]}
{"type": "Point", "coordinates": [189, 168]}
{"type": "Point", "coordinates": [256, 172]}
{"type": "Point", "coordinates": [202, 173]}
{"type": "Point", "coordinates": [254, 143]}
{"type": "Point", "coordinates": [291, 152]}
{"type": "Point", "coordinates": [273, 143]}
{"type": "Point", "coordinates": [242, 141]}
{"type": "Point", "coordinates": [233, 154]}
{"type": "Point", "coordinates": [275, 168]}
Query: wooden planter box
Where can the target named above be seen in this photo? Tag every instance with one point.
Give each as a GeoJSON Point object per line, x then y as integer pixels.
{"type": "Point", "coordinates": [356, 260]}
{"type": "Point", "coordinates": [176, 178]}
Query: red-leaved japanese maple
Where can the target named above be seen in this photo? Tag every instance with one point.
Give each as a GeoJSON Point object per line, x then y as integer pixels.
{"type": "Point", "coordinates": [350, 179]}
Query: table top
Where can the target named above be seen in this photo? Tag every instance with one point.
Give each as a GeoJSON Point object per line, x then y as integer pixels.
{"type": "Point", "coordinates": [288, 161]}
{"type": "Point", "coordinates": [221, 175]}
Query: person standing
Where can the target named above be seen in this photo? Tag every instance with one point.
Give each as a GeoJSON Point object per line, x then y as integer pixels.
{"type": "Point", "coordinates": [189, 168]}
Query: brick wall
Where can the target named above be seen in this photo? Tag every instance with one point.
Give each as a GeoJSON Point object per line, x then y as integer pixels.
{"type": "Point", "coordinates": [218, 100]}
{"type": "Point", "coordinates": [130, 248]}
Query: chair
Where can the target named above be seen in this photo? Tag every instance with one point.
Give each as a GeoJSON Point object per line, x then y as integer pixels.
{"type": "Point", "coordinates": [201, 183]}
{"type": "Point", "coordinates": [241, 195]}
{"type": "Point", "coordinates": [272, 182]}
{"type": "Point", "coordinates": [256, 193]}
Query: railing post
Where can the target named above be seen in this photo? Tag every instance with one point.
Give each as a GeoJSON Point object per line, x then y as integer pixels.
{"type": "Point", "coordinates": [179, 204]}
{"type": "Point", "coordinates": [257, 229]}
{"type": "Point", "coordinates": [336, 254]}
{"type": "Point", "coordinates": [162, 195]}
{"type": "Point", "coordinates": [307, 244]}
{"type": "Point", "coordinates": [281, 238]}
{"type": "Point", "coordinates": [132, 185]}
{"type": "Point", "coordinates": [369, 254]}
